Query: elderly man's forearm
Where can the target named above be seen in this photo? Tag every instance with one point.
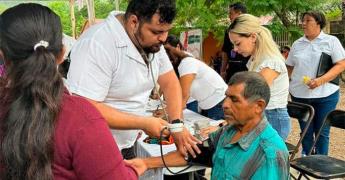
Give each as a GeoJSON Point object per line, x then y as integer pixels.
{"type": "Point", "coordinates": [172, 159]}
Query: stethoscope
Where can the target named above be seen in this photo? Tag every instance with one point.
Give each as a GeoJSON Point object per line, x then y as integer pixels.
{"type": "Point", "coordinates": [148, 61]}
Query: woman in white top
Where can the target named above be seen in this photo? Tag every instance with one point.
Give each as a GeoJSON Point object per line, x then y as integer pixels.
{"type": "Point", "coordinates": [252, 39]}
{"type": "Point", "coordinates": [197, 80]}
{"type": "Point", "coordinates": [318, 92]}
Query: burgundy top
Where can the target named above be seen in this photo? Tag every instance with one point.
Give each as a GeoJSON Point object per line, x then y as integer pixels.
{"type": "Point", "coordinates": [84, 147]}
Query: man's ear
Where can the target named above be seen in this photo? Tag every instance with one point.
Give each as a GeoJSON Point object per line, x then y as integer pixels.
{"type": "Point", "coordinates": [133, 22]}
{"type": "Point", "coordinates": [260, 106]}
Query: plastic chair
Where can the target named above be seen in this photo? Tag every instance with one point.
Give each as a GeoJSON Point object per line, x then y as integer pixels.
{"type": "Point", "coordinates": [302, 112]}
{"type": "Point", "coordinates": [323, 166]}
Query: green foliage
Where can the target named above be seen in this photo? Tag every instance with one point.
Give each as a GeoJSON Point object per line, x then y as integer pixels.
{"type": "Point", "coordinates": [2, 8]}
{"type": "Point", "coordinates": [212, 15]}
{"type": "Point", "coordinates": [102, 9]}
{"type": "Point", "coordinates": [196, 14]}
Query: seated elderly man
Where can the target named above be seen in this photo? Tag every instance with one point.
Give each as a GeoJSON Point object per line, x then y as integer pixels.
{"type": "Point", "coordinates": [247, 147]}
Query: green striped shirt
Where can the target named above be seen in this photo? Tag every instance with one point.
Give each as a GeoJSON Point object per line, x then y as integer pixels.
{"type": "Point", "coordinates": [261, 154]}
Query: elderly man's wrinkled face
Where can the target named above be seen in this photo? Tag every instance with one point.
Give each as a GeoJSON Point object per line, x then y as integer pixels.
{"type": "Point", "coordinates": [237, 109]}
{"type": "Point", "coordinates": [151, 35]}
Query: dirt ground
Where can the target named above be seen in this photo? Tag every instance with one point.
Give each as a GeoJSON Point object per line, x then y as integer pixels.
{"type": "Point", "coordinates": [337, 136]}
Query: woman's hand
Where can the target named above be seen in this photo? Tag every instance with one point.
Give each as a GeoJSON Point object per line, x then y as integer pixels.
{"type": "Point", "coordinates": [138, 165]}
{"type": "Point", "coordinates": [314, 83]}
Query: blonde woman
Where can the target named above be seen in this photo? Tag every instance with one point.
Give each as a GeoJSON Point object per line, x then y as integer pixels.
{"type": "Point", "coordinates": [252, 39]}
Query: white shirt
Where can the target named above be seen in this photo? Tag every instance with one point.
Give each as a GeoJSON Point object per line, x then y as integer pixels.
{"type": "Point", "coordinates": [280, 87]}
{"type": "Point", "coordinates": [106, 67]}
{"type": "Point", "coordinates": [68, 42]}
{"type": "Point", "coordinates": [305, 56]}
{"type": "Point", "coordinates": [208, 88]}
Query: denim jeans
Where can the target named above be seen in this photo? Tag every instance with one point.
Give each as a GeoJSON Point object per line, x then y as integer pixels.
{"type": "Point", "coordinates": [216, 112]}
{"type": "Point", "coordinates": [280, 121]}
{"type": "Point", "coordinates": [322, 107]}
{"type": "Point", "coordinates": [193, 106]}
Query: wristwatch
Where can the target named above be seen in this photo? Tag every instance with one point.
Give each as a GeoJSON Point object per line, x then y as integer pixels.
{"type": "Point", "coordinates": [176, 125]}
{"type": "Point", "coordinates": [175, 121]}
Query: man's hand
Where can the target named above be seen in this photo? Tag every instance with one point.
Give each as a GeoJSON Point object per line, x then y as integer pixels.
{"type": "Point", "coordinates": [153, 126]}
{"type": "Point", "coordinates": [206, 131]}
{"type": "Point", "coordinates": [186, 142]}
{"type": "Point", "coordinates": [138, 165]}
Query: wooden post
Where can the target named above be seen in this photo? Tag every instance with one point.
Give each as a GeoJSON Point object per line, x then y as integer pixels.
{"type": "Point", "coordinates": [71, 4]}
{"type": "Point", "coordinates": [91, 11]}
{"type": "Point", "coordinates": [343, 5]}
{"type": "Point", "coordinates": [117, 5]}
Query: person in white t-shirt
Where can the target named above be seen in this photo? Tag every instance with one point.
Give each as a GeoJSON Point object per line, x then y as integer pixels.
{"type": "Point", "coordinates": [197, 80]}
{"type": "Point", "coordinates": [305, 87]}
{"type": "Point", "coordinates": [115, 64]}
{"type": "Point", "coordinates": [252, 39]}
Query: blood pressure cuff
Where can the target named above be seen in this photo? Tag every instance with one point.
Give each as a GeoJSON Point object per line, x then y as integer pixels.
{"type": "Point", "coordinates": [207, 148]}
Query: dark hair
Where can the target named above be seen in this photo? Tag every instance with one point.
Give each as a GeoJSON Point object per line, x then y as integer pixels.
{"type": "Point", "coordinates": [285, 48]}
{"type": "Point", "coordinates": [255, 86]}
{"type": "Point", "coordinates": [238, 7]}
{"type": "Point", "coordinates": [318, 16]}
{"type": "Point", "coordinates": [145, 9]}
{"type": "Point", "coordinates": [173, 41]}
{"type": "Point", "coordinates": [32, 91]}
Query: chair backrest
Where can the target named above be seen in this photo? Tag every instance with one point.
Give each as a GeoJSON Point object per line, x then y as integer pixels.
{"type": "Point", "coordinates": [335, 118]}
{"type": "Point", "coordinates": [302, 112]}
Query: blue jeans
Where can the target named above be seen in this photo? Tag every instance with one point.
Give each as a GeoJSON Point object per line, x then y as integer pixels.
{"type": "Point", "coordinates": [216, 112]}
{"type": "Point", "coordinates": [322, 107]}
{"type": "Point", "coordinates": [280, 121]}
{"type": "Point", "coordinates": [193, 106]}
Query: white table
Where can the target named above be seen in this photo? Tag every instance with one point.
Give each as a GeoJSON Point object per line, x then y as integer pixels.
{"type": "Point", "coordinates": [149, 150]}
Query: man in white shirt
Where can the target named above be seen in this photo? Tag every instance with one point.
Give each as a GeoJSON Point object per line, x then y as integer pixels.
{"type": "Point", "coordinates": [115, 65]}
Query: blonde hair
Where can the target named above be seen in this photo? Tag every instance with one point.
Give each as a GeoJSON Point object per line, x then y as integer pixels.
{"type": "Point", "coordinates": [265, 47]}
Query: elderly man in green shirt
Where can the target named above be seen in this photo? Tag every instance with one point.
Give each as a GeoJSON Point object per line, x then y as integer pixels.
{"type": "Point", "coordinates": [247, 147]}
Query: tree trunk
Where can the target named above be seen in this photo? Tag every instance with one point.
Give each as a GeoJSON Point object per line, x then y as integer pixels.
{"type": "Point", "coordinates": [71, 2]}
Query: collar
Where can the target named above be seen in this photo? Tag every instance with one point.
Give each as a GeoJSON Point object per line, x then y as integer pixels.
{"type": "Point", "coordinates": [248, 139]}
{"type": "Point", "coordinates": [122, 39]}
{"type": "Point", "coordinates": [321, 36]}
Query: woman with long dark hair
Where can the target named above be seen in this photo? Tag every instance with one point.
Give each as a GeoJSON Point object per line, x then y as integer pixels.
{"type": "Point", "coordinates": [197, 80]}
{"type": "Point", "coordinates": [46, 133]}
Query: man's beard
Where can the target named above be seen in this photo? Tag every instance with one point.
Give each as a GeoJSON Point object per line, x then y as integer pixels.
{"type": "Point", "coordinates": [153, 48]}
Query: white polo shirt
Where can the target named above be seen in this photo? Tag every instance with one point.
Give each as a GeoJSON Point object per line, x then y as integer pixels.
{"type": "Point", "coordinates": [208, 88]}
{"type": "Point", "coordinates": [106, 67]}
{"type": "Point", "coordinates": [305, 56]}
{"type": "Point", "coordinates": [280, 86]}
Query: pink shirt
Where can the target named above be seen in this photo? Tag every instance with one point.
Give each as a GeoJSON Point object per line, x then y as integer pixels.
{"type": "Point", "coordinates": [84, 147]}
